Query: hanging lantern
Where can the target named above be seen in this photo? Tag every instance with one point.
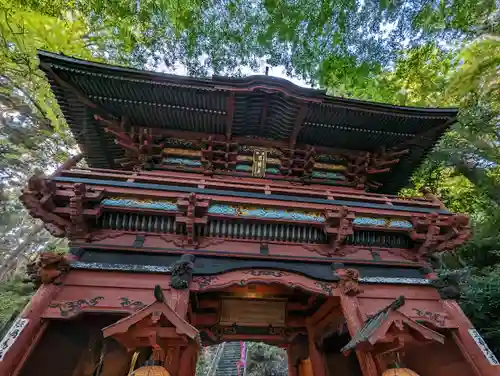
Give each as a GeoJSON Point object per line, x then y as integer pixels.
{"type": "Point", "coordinates": [150, 368]}
{"type": "Point", "coordinates": [153, 366]}
{"type": "Point", "coordinates": [399, 372]}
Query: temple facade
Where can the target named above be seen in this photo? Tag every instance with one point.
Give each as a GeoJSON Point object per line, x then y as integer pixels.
{"type": "Point", "coordinates": [239, 209]}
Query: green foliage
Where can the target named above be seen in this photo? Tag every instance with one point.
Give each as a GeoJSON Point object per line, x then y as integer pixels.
{"type": "Point", "coordinates": [266, 360]}
{"type": "Point", "coordinates": [14, 295]}
{"type": "Point", "coordinates": [481, 302]}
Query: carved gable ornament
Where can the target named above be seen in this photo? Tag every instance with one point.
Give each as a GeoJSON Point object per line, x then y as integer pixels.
{"type": "Point", "coordinates": [155, 324]}
{"type": "Point", "coordinates": [389, 330]}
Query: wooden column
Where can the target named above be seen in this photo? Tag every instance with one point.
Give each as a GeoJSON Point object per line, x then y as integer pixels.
{"type": "Point", "coordinates": [316, 357]}
{"type": "Point", "coordinates": [292, 368]}
{"type": "Point", "coordinates": [32, 313]}
{"type": "Point", "coordinates": [188, 361]}
{"type": "Point", "coordinates": [470, 349]}
{"type": "Point", "coordinates": [354, 323]}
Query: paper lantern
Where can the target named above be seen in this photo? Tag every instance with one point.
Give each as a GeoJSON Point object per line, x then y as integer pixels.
{"type": "Point", "coordinates": [399, 372]}
{"type": "Point", "coordinates": [150, 370]}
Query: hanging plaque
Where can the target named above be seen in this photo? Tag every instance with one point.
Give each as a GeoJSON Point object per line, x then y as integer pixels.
{"type": "Point", "coordinates": [252, 312]}
{"type": "Point", "coordinates": [259, 163]}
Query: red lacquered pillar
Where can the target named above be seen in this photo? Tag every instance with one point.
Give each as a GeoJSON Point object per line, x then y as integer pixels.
{"type": "Point", "coordinates": [31, 325]}
{"type": "Point", "coordinates": [354, 323]}
{"type": "Point", "coordinates": [482, 360]}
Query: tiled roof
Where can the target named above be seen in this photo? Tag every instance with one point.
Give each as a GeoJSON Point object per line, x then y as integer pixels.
{"type": "Point", "coordinates": [264, 107]}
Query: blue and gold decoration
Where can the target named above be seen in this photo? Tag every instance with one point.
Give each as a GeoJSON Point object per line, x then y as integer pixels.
{"type": "Point", "coordinates": [256, 212]}
{"type": "Point", "coordinates": [245, 211]}
{"type": "Point", "coordinates": [182, 161]}
{"type": "Point", "coordinates": [382, 222]}
{"type": "Point", "coordinates": [139, 204]}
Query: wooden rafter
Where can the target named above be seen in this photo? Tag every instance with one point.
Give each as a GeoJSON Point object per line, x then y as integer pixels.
{"type": "Point", "coordinates": [230, 101]}
{"type": "Point", "coordinates": [263, 116]}
{"type": "Point", "coordinates": [299, 123]}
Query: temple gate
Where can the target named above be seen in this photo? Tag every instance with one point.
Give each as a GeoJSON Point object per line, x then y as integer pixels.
{"type": "Point", "coordinates": [249, 209]}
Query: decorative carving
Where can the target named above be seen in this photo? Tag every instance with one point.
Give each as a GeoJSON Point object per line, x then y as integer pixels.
{"type": "Point", "coordinates": [298, 162]}
{"type": "Point", "coordinates": [349, 281]}
{"type": "Point", "coordinates": [326, 287]}
{"type": "Point", "coordinates": [136, 305]}
{"type": "Point", "coordinates": [138, 143]}
{"type": "Point", "coordinates": [362, 165]}
{"type": "Point", "coordinates": [152, 325]}
{"type": "Point", "coordinates": [79, 228]}
{"type": "Point", "coordinates": [382, 222]}
{"type": "Point", "coordinates": [194, 214]}
{"type": "Point", "coordinates": [49, 267]}
{"type": "Point", "coordinates": [433, 316]}
{"type": "Point", "coordinates": [437, 233]}
{"type": "Point", "coordinates": [337, 227]}
{"type": "Point", "coordinates": [74, 306]}
{"type": "Point", "coordinates": [458, 233]}
{"type": "Point", "coordinates": [37, 198]}
{"type": "Point", "coordinates": [265, 213]}
{"type": "Point", "coordinates": [140, 204]}
{"type": "Point", "coordinates": [260, 273]}
{"type": "Point", "coordinates": [218, 155]}
{"type": "Point", "coordinates": [205, 280]}
{"type": "Point", "coordinates": [182, 272]}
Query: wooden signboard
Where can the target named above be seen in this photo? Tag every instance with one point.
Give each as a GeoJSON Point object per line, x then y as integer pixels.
{"type": "Point", "coordinates": [253, 312]}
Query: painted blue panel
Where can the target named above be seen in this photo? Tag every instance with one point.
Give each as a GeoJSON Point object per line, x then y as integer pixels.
{"type": "Point", "coordinates": [327, 175]}
{"type": "Point", "coordinates": [272, 170]}
{"type": "Point", "coordinates": [243, 167]}
{"type": "Point", "coordinates": [382, 222]}
{"type": "Point", "coordinates": [400, 224]}
{"type": "Point", "coordinates": [367, 221]}
{"type": "Point", "coordinates": [183, 161]}
{"type": "Point", "coordinates": [242, 211]}
{"type": "Point", "coordinates": [220, 192]}
{"type": "Point", "coordinates": [222, 209]}
{"type": "Point", "coordinates": [159, 205]}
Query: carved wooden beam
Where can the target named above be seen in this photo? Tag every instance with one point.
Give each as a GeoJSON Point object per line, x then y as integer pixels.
{"type": "Point", "coordinates": [138, 143]}
{"type": "Point", "coordinates": [194, 213]}
{"type": "Point", "coordinates": [37, 198]}
{"type": "Point", "coordinates": [338, 225]}
{"type": "Point", "coordinates": [436, 233]}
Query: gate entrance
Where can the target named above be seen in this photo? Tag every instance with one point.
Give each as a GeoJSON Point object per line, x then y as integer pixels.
{"type": "Point", "coordinates": [226, 210]}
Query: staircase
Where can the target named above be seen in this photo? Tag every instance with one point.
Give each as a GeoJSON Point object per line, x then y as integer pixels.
{"type": "Point", "coordinates": [229, 357]}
